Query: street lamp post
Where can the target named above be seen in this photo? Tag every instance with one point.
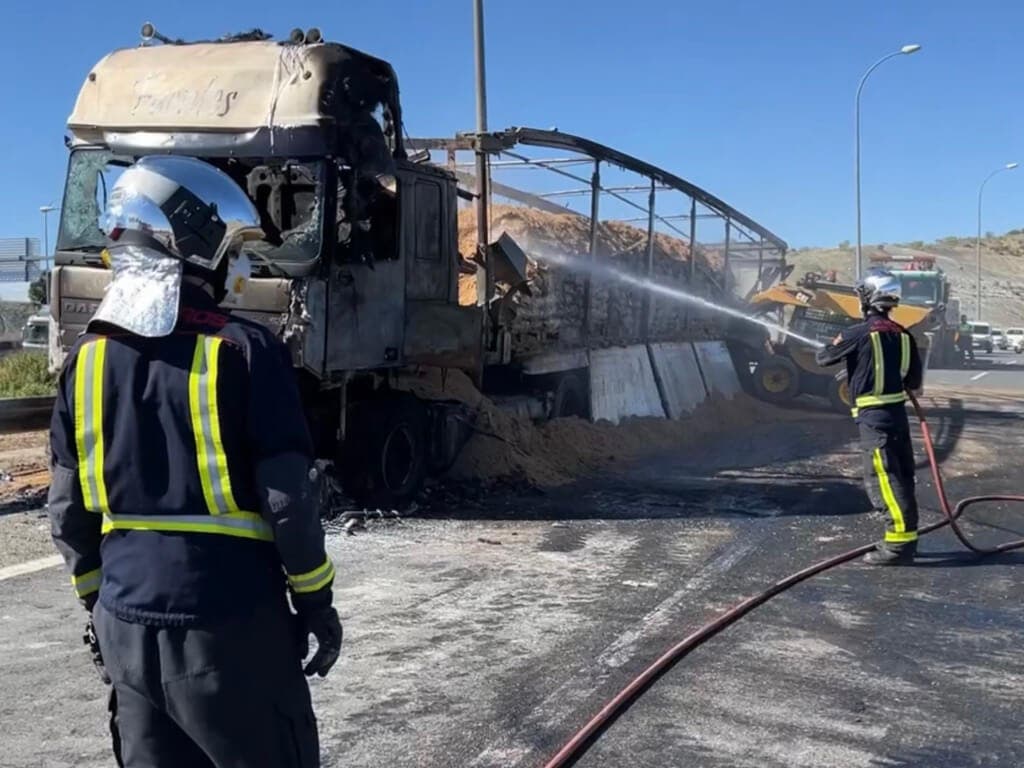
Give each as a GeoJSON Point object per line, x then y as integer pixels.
{"type": "Point", "coordinates": [46, 210]}
{"type": "Point", "coordinates": [977, 243]}
{"type": "Point", "coordinates": [906, 50]}
{"type": "Point", "coordinates": [485, 287]}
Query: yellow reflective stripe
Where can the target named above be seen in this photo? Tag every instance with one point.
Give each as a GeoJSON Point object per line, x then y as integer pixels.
{"type": "Point", "coordinates": [212, 461]}
{"type": "Point", "coordinates": [900, 538]}
{"type": "Point", "coordinates": [195, 377]}
{"type": "Point", "coordinates": [904, 355]}
{"type": "Point", "coordinates": [81, 425]}
{"type": "Point", "coordinates": [876, 352]}
{"type": "Point", "coordinates": [313, 580]}
{"type": "Point", "coordinates": [220, 457]}
{"type": "Point", "coordinates": [865, 400]}
{"type": "Point", "coordinates": [890, 498]}
{"type": "Point", "coordinates": [87, 583]}
{"type": "Point", "coordinates": [97, 423]}
{"type": "Point", "coordinates": [246, 525]}
{"type": "Point", "coordinates": [89, 424]}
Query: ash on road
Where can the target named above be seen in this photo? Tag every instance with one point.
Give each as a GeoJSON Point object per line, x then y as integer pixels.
{"type": "Point", "coordinates": [485, 637]}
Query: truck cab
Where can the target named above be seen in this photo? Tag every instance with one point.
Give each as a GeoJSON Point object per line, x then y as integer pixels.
{"type": "Point", "coordinates": [358, 273]}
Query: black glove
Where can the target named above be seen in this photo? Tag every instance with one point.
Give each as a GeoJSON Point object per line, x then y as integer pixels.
{"type": "Point", "coordinates": [93, 644]}
{"type": "Point", "coordinates": [325, 626]}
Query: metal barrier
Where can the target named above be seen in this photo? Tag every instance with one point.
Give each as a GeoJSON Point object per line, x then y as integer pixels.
{"type": "Point", "coordinates": [22, 414]}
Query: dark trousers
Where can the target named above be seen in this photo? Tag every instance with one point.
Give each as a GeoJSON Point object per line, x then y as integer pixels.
{"type": "Point", "coordinates": [229, 696]}
{"type": "Point", "coordinates": [888, 455]}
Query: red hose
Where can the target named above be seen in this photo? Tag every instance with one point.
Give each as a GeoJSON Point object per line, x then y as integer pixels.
{"type": "Point", "coordinates": [576, 746]}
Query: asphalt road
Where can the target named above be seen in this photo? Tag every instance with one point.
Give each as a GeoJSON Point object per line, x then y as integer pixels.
{"type": "Point", "coordinates": [484, 638]}
{"type": "Point", "coordinates": [1001, 372]}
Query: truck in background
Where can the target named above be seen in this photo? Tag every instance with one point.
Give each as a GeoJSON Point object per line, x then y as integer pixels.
{"type": "Point", "coordinates": [36, 334]}
{"type": "Point", "coordinates": [926, 285]}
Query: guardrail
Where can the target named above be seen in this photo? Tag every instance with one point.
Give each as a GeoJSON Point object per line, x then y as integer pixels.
{"type": "Point", "coordinates": [22, 414]}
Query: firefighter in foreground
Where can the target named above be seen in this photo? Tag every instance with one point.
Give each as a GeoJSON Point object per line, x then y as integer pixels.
{"type": "Point", "coordinates": [882, 362]}
{"type": "Point", "coordinates": [183, 490]}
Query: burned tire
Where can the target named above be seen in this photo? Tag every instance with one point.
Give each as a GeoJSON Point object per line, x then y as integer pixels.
{"type": "Point", "coordinates": [776, 379]}
{"type": "Point", "coordinates": [570, 398]}
{"type": "Point", "coordinates": [839, 395]}
{"type": "Point", "coordinates": [384, 459]}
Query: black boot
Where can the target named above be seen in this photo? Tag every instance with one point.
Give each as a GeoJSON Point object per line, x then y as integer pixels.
{"type": "Point", "coordinates": [882, 555]}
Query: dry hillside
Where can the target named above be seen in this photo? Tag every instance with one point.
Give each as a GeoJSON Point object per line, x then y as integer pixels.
{"type": "Point", "coordinates": [1002, 263]}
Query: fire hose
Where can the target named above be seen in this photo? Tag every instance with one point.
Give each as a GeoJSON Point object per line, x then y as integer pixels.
{"type": "Point", "coordinates": [578, 744]}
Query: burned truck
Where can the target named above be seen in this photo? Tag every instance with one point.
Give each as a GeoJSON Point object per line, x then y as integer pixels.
{"type": "Point", "coordinates": [359, 268]}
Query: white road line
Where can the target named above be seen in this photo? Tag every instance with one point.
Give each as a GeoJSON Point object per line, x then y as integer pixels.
{"type": "Point", "coordinates": [980, 375]}
{"type": "Point", "coordinates": [623, 648]}
{"type": "Point", "coordinates": [513, 749]}
{"type": "Point", "coordinates": [11, 571]}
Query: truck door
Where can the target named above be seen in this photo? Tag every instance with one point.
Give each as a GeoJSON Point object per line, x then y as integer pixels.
{"type": "Point", "coordinates": [430, 246]}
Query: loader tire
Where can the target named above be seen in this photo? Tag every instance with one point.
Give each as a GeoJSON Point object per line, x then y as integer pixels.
{"type": "Point", "coordinates": [384, 459]}
{"type": "Point", "coordinates": [776, 380]}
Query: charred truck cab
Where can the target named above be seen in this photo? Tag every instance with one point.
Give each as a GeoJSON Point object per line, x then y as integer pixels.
{"type": "Point", "coordinates": [359, 269]}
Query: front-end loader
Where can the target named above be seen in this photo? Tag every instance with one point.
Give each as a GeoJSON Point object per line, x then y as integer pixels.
{"type": "Point", "coordinates": [782, 367]}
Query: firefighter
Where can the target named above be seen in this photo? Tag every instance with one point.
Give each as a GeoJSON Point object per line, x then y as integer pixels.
{"type": "Point", "coordinates": [183, 493]}
{"type": "Point", "coordinates": [882, 362]}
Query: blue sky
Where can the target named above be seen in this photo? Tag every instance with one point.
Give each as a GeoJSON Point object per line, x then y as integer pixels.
{"type": "Point", "coordinates": [750, 99]}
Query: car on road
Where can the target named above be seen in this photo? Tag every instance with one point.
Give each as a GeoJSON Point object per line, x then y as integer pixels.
{"type": "Point", "coordinates": [999, 339]}
{"type": "Point", "coordinates": [1015, 339]}
{"type": "Point", "coordinates": [981, 337]}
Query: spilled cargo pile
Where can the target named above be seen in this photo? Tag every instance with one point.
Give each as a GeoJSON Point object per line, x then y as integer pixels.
{"type": "Point", "coordinates": [507, 446]}
{"type": "Point", "coordinates": [551, 317]}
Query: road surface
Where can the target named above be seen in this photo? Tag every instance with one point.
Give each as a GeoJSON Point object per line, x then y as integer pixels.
{"type": "Point", "coordinates": [999, 372]}
{"type": "Point", "coordinates": [485, 637]}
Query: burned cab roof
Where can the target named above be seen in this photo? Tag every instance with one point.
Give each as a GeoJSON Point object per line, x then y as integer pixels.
{"type": "Point", "coordinates": [153, 95]}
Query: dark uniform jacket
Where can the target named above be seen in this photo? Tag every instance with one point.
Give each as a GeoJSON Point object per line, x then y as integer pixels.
{"type": "Point", "coordinates": [882, 362]}
{"type": "Point", "coordinates": [181, 488]}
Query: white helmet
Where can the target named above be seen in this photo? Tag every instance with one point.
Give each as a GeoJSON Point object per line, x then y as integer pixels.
{"type": "Point", "coordinates": [879, 289]}
{"type": "Point", "coordinates": [165, 212]}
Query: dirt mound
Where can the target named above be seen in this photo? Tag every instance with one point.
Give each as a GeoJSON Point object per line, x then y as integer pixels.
{"type": "Point", "coordinates": [504, 445]}
{"type": "Point", "coordinates": [552, 317]}
{"type": "Point", "coordinates": [1002, 262]}
{"type": "Point", "coordinates": [24, 462]}
{"type": "Point", "coordinates": [569, 234]}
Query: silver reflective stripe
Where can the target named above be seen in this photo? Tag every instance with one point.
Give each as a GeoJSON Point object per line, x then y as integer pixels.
{"type": "Point", "coordinates": [87, 583]}
{"type": "Point", "coordinates": [89, 424]}
{"type": "Point", "coordinates": [205, 413]}
{"type": "Point", "coordinates": [243, 524]}
{"type": "Point", "coordinates": [313, 580]}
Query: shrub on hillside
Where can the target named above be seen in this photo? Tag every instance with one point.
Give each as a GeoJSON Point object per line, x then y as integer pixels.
{"type": "Point", "coordinates": [25, 374]}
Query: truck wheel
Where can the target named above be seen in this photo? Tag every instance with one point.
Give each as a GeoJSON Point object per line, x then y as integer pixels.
{"type": "Point", "coordinates": [839, 395]}
{"type": "Point", "coordinates": [385, 454]}
{"type": "Point", "coordinates": [570, 398]}
{"type": "Point", "coordinates": [776, 380]}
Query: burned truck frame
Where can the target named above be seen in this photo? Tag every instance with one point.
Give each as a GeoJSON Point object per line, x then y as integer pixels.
{"type": "Point", "coordinates": [359, 271]}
